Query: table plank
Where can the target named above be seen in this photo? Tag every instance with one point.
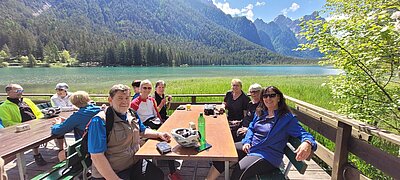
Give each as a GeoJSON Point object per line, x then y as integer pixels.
{"type": "Point", "coordinates": [218, 135]}
{"type": "Point", "coordinates": [12, 142]}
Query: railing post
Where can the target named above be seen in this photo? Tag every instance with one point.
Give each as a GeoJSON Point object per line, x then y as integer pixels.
{"type": "Point", "coordinates": [340, 158]}
{"type": "Point", "coordinates": [193, 99]}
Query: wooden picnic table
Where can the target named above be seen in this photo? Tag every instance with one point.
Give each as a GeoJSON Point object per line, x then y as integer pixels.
{"type": "Point", "coordinates": [218, 135]}
{"type": "Point", "coordinates": [14, 143]}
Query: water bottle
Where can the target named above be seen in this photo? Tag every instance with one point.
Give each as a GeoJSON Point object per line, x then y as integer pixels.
{"type": "Point", "coordinates": [202, 129]}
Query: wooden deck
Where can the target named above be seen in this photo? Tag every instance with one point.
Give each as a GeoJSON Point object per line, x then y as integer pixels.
{"type": "Point", "coordinates": [189, 169]}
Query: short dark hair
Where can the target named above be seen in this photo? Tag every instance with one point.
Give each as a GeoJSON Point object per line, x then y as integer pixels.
{"type": "Point", "coordinates": [136, 83]}
{"type": "Point", "coordinates": [159, 82]}
{"type": "Point", "coordinates": [118, 87]}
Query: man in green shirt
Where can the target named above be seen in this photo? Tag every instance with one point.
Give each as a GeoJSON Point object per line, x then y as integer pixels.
{"type": "Point", "coordinates": [17, 109]}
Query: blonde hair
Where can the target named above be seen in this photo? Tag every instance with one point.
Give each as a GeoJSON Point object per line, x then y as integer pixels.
{"type": "Point", "coordinates": [234, 81]}
{"type": "Point", "coordinates": [80, 99]}
{"type": "Point", "coordinates": [146, 81]}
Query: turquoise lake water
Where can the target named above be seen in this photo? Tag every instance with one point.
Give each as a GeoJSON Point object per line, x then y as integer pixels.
{"type": "Point", "coordinates": [48, 77]}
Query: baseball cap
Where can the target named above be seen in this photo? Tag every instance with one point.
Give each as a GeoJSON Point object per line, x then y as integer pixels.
{"type": "Point", "coordinates": [63, 86]}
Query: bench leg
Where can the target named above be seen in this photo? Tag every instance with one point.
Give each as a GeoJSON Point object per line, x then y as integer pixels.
{"type": "Point", "coordinates": [21, 165]}
{"type": "Point", "coordinates": [287, 170]}
{"type": "Point", "coordinates": [226, 170]}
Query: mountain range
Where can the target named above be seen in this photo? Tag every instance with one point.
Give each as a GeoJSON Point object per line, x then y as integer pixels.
{"type": "Point", "coordinates": [196, 28]}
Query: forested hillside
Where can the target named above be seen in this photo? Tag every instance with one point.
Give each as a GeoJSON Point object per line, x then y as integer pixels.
{"type": "Point", "coordinates": [129, 32]}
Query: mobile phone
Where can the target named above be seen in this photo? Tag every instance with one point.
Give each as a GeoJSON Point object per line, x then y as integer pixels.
{"type": "Point", "coordinates": [163, 147]}
{"type": "Point", "coordinates": [202, 148]}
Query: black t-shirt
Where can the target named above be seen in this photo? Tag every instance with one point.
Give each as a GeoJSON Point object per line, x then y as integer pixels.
{"type": "Point", "coordinates": [251, 109]}
{"type": "Point", "coordinates": [163, 110]}
{"type": "Point", "coordinates": [236, 107]}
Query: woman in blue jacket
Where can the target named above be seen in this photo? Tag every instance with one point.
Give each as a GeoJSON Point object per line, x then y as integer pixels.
{"type": "Point", "coordinates": [262, 149]}
{"type": "Point", "coordinates": [78, 120]}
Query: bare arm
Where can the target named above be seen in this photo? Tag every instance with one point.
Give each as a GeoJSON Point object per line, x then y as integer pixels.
{"type": "Point", "coordinates": [162, 103]}
{"type": "Point", "coordinates": [103, 166]}
{"type": "Point", "coordinates": [149, 133]}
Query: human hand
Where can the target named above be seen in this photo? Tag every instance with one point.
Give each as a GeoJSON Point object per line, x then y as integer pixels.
{"type": "Point", "coordinates": [164, 136]}
{"type": "Point", "coordinates": [169, 98]}
{"type": "Point", "coordinates": [163, 101]}
{"type": "Point", "coordinates": [234, 123]}
{"type": "Point", "coordinates": [246, 148]}
{"type": "Point", "coordinates": [303, 151]}
{"type": "Point", "coordinates": [58, 120]}
{"type": "Point", "coordinates": [242, 130]}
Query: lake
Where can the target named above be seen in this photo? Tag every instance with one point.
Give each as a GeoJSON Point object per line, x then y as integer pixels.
{"type": "Point", "coordinates": [104, 76]}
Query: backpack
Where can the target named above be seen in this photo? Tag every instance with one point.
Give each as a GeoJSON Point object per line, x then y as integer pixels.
{"type": "Point", "coordinates": [84, 141]}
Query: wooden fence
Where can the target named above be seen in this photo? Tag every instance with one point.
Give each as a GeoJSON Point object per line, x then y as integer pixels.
{"type": "Point", "coordinates": [349, 136]}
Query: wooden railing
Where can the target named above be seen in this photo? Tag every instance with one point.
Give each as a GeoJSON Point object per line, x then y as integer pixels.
{"type": "Point", "coordinates": [349, 135]}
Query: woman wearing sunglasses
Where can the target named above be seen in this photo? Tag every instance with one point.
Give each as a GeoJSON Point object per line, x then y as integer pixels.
{"type": "Point", "coordinates": [146, 106]}
{"type": "Point", "coordinates": [261, 151]}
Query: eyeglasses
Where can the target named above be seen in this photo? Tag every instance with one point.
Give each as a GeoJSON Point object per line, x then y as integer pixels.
{"type": "Point", "coordinates": [147, 88]}
{"type": "Point", "coordinates": [269, 95]}
{"type": "Point", "coordinates": [19, 91]}
{"type": "Point", "coordinates": [235, 85]}
{"type": "Point", "coordinates": [59, 89]}
{"type": "Point", "coordinates": [254, 91]}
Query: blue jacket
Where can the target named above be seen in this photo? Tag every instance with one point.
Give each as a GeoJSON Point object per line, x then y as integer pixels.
{"type": "Point", "coordinates": [272, 146]}
{"type": "Point", "coordinates": [77, 121]}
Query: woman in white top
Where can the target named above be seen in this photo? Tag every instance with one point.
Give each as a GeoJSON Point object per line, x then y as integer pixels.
{"type": "Point", "coordinates": [61, 98]}
{"type": "Point", "coordinates": [146, 106]}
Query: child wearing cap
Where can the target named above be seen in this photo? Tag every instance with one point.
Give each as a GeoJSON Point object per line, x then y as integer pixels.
{"type": "Point", "coordinates": [61, 98]}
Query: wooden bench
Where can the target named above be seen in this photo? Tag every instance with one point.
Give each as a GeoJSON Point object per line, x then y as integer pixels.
{"type": "Point", "coordinates": [73, 166]}
{"type": "Point", "coordinates": [282, 172]}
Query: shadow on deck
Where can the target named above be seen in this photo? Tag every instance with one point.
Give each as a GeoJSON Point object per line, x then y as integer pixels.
{"type": "Point", "coordinates": [188, 169]}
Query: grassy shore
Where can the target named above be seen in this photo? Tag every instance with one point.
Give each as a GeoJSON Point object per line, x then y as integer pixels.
{"type": "Point", "coordinates": [305, 88]}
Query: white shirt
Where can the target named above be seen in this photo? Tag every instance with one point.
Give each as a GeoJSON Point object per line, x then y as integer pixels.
{"type": "Point", "coordinates": [64, 103]}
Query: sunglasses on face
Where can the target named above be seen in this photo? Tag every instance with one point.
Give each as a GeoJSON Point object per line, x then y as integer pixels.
{"type": "Point", "coordinates": [147, 88]}
{"type": "Point", "coordinates": [254, 91]}
{"type": "Point", "coordinates": [269, 95]}
{"type": "Point", "coordinates": [19, 91]}
{"type": "Point", "coordinates": [235, 85]}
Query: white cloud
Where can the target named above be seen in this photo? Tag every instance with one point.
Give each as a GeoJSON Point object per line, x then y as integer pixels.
{"type": "Point", "coordinates": [246, 11]}
{"type": "Point", "coordinates": [260, 3]}
{"type": "Point", "coordinates": [294, 7]}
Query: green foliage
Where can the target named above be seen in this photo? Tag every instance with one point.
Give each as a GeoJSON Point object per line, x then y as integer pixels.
{"type": "Point", "coordinates": [179, 31]}
{"type": "Point", "coordinates": [362, 40]}
{"type": "Point", "coordinates": [32, 61]}
{"type": "Point", "coordinates": [24, 60]}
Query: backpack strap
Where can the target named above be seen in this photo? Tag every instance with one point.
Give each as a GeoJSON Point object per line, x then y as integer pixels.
{"type": "Point", "coordinates": [109, 121]}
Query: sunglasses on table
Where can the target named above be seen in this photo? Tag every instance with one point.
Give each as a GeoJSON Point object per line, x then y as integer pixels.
{"type": "Point", "coordinates": [269, 95]}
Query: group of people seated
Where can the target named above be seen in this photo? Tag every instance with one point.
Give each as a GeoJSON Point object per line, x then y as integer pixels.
{"type": "Point", "coordinates": [260, 126]}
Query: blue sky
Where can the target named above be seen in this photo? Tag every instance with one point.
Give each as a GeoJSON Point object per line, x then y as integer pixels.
{"type": "Point", "coordinates": [269, 9]}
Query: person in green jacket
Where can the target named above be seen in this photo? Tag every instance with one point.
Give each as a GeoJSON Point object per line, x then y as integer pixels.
{"type": "Point", "coordinates": [17, 109]}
